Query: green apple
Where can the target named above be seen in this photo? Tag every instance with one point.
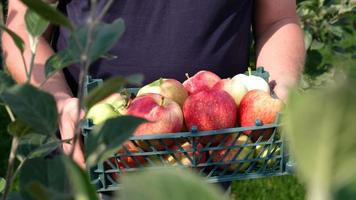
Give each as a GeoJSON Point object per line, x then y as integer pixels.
{"type": "Point", "coordinates": [101, 112]}
{"type": "Point", "coordinates": [169, 88]}
{"type": "Point", "coordinates": [253, 82]}
{"type": "Point", "coordinates": [118, 101]}
{"type": "Point", "coordinates": [267, 153]}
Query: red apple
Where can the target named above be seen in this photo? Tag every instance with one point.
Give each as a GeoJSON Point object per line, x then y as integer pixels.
{"type": "Point", "coordinates": [228, 156]}
{"type": "Point", "coordinates": [259, 105]}
{"type": "Point", "coordinates": [210, 110]}
{"type": "Point", "coordinates": [232, 86]}
{"type": "Point", "coordinates": [169, 88]}
{"type": "Point", "coordinates": [202, 80]}
{"type": "Point", "coordinates": [163, 115]}
{"type": "Point", "coordinates": [182, 157]}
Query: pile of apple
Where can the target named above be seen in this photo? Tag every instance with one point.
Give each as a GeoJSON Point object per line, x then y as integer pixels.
{"type": "Point", "coordinates": [204, 101]}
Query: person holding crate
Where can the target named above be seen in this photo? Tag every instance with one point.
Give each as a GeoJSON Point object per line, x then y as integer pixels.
{"type": "Point", "coordinates": [168, 38]}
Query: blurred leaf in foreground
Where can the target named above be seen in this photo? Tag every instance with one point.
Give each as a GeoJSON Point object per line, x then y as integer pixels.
{"type": "Point", "coordinates": [37, 145]}
{"type": "Point", "coordinates": [348, 192]}
{"type": "Point", "coordinates": [49, 173]}
{"type": "Point", "coordinates": [321, 128]}
{"type": "Point", "coordinates": [170, 183]}
{"type": "Point", "coordinates": [33, 106]}
{"type": "Point", "coordinates": [84, 190]}
{"type": "Point", "coordinates": [104, 139]}
{"type": "Point", "coordinates": [2, 184]}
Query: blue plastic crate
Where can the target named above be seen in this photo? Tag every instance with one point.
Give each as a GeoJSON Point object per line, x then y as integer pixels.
{"type": "Point", "coordinates": [235, 157]}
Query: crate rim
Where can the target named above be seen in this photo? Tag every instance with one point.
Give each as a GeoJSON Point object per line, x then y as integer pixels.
{"type": "Point", "coordinates": [194, 133]}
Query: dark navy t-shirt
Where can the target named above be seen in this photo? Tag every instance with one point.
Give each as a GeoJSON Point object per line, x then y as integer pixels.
{"type": "Point", "coordinates": [168, 38]}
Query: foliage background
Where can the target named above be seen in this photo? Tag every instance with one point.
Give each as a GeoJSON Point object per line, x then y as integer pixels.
{"type": "Point", "coordinates": [329, 27]}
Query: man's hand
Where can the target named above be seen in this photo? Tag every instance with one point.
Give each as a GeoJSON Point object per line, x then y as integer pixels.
{"type": "Point", "coordinates": [279, 43]}
{"type": "Point", "coordinates": [67, 122]}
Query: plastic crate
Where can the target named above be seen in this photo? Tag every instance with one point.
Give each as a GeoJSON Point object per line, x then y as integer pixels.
{"type": "Point", "coordinates": [227, 160]}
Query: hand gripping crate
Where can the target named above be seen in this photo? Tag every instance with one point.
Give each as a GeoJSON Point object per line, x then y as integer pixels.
{"type": "Point", "coordinates": [235, 157]}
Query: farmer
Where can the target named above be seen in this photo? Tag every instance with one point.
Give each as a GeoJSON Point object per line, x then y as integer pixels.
{"type": "Point", "coordinates": [168, 38]}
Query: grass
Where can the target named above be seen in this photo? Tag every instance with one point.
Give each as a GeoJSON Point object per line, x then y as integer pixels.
{"type": "Point", "coordinates": [276, 188]}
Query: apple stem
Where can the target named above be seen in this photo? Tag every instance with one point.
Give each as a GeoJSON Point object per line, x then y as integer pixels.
{"type": "Point", "coordinates": [249, 71]}
{"type": "Point", "coordinates": [162, 101]}
{"type": "Point", "coordinates": [187, 75]}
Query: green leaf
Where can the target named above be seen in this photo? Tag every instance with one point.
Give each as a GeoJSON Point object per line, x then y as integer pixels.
{"type": "Point", "coordinates": [59, 61]}
{"type": "Point", "coordinates": [314, 59]}
{"type": "Point", "coordinates": [321, 130]}
{"type": "Point", "coordinates": [83, 189]}
{"type": "Point", "coordinates": [338, 50]}
{"type": "Point", "coordinates": [19, 128]}
{"type": "Point", "coordinates": [17, 40]}
{"type": "Point", "coordinates": [104, 38]}
{"type": "Point", "coordinates": [106, 138]}
{"type": "Point", "coordinates": [261, 72]}
{"type": "Point", "coordinates": [36, 145]}
{"type": "Point", "coordinates": [47, 148]}
{"type": "Point", "coordinates": [48, 172]}
{"type": "Point", "coordinates": [337, 31]}
{"type": "Point", "coordinates": [38, 191]}
{"type": "Point", "coordinates": [5, 81]}
{"type": "Point", "coordinates": [33, 106]}
{"type": "Point", "coordinates": [135, 79]}
{"type": "Point", "coordinates": [35, 24]}
{"type": "Point", "coordinates": [111, 85]}
{"type": "Point", "coordinates": [70, 55]}
{"type": "Point", "coordinates": [328, 2]}
{"type": "Point", "coordinates": [2, 184]}
{"type": "Point", "coordinates": [14, 196]}
{"type": "Point", "coordinates": [48, 12]}
{"type": "Point", "coordinates": [308, 39]}
{"type": "Point", "coordinates": [347, 192]}
{"type": "Point", "coordinates": [170, 183]}
{"type": "Point", "coordinates": [316, 45]}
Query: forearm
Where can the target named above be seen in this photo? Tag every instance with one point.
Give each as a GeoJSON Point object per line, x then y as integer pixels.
{"type": "Point", "coordinates": [281, 51]}
{"type": "Point", "coordinates": [56, 85]}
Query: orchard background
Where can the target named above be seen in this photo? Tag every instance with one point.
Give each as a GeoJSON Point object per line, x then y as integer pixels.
{"type": "Point", "coordinates": [329, 27]}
